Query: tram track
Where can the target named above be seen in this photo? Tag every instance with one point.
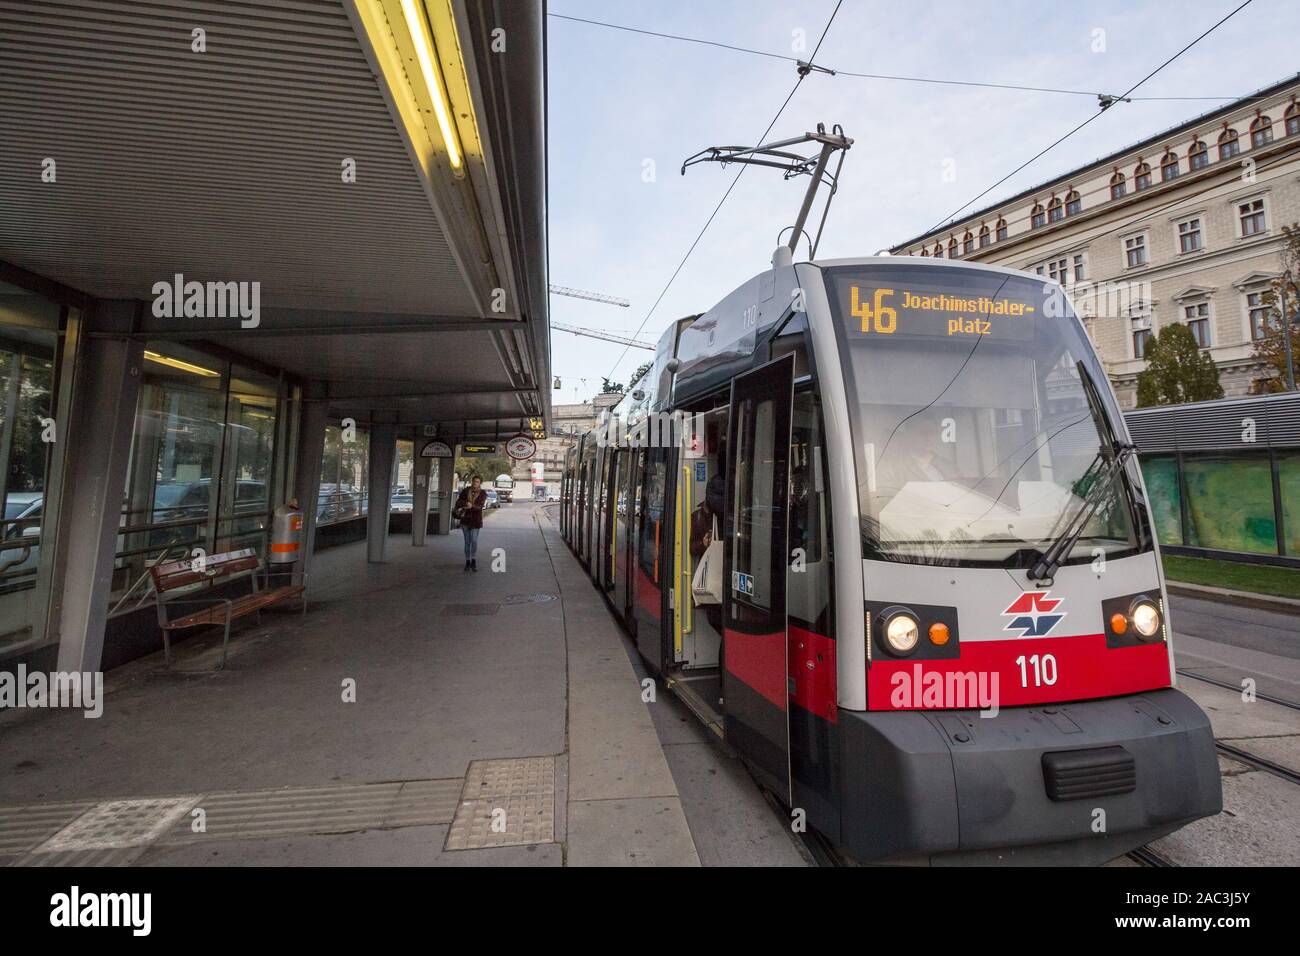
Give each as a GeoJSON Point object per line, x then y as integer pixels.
{"type": "Point", "coordinates": [1229, 685]}
{"type": "Point", "coordinates": [1145, 856]}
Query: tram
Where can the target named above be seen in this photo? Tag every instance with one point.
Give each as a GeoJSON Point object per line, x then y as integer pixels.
{"type": "Point", "coordinates": [879, 522]}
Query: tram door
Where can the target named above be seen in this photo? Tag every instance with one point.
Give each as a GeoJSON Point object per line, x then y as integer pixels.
{"type": "Point", "coordinates": [755, 678]}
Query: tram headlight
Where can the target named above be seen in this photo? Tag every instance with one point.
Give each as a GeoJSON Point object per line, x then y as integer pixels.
{"type": "Point", "coordinates": [1146, 618]}
{"type": "Point", "coordinates": [902, 631]}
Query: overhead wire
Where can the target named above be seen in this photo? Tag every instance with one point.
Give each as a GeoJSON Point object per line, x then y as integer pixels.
{"type": "Point", "coordinates": [718, 207]}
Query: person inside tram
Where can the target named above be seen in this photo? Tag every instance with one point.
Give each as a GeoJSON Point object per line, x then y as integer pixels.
{"type": "Point", "coordinates": [706, 515]}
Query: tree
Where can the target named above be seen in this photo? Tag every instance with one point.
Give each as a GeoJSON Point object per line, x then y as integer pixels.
{"type": "Point", "coordinates": [608, 387]}
{"type": "Point", "coordinates": [485, 468]}
{"type": "Point", "coordinates": [1270, 351]}
{"type": "Point", "coordinates": [1177, 370]}
{"type": "Point", "coordinates": [640, 372]}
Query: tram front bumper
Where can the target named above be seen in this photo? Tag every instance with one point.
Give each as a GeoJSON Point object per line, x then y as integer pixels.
{"type": "Point", "coordinates": [955, 787]}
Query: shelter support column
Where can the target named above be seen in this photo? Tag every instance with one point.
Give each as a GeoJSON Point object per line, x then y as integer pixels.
{"type": "Point", "coordinates": [100, 421]}
{"type": "Point", "coordinates": [446, 497]}
{"type": "Point", "coordinates": [306, 488]}
{"type": "Point", "coordinates": [421, 492]}
{"type": "Point", "coordinates": [383, 448]}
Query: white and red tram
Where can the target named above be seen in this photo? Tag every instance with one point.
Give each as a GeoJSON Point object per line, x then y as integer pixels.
{"type": "Point", "coordinates": [940, 627]}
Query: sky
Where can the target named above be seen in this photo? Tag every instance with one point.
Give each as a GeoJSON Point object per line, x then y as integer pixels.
{"type": "Point", "coordinates": [625, 109]}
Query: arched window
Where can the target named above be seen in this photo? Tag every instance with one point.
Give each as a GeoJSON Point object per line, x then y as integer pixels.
{"type": "Point", "coordinates": [938, 250]}
{"type": "Point", "coordinates": [1117, 189]}
{"type": "Point", "coordinates": [1293, 119]}
{"type": "Point", "coordinates": [967, 244]}
{"type": "Point", "coordinates": [1037, 218]}
{"type": "Point", "coordinates": [1073, 203]}
{"type": "Point", "coordinates": [1000, 230]}
{"type": "Point", "coordinates": [1141, 177]}
{"type": "Point", "coordinates": [925, 252]}
{"type": "Point", "coordinates": [984, 235]}
{"type": "Point", "coordinates": [1169, 167]}
{"type": "Point", "coordinates": [952, 247]}
{"type": "Point", "coordinates": [1261, 132]}
{"type": "Point", "coordinates": [1229, 144]}
{"type": "Point", "coordinates": [1055, 210]}
{"type": "Point", "coordinates": [1198, 156]}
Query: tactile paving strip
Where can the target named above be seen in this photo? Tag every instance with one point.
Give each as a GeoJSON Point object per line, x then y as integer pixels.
{"type": "Point", "coordinates": [508, 802]}
{"type": "Point", "coordinates": [118, 824]}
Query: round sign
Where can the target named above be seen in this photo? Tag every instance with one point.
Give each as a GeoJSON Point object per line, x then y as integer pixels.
{"type": "Point", "coordinates": [521, 447]}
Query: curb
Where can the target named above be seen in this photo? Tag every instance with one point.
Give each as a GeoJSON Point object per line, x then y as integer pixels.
{"type": "Point", "coordinates": [1266, 602]}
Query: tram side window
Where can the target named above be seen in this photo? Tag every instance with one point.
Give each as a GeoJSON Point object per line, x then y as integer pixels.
{"type": "Point", "coordinates": [751, 554]}
{"type": "Point", "coordinates": [652, 514]}
{"type": "Point", "coordinates": [808, 592]}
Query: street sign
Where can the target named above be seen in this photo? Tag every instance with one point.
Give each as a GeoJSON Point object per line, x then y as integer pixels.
{"type": "Point", "coordinates": [436, 449]}
{"type": "Point", "coordinates": [486, 450]}
{"type": "Point", "coordinates": [521, 447]}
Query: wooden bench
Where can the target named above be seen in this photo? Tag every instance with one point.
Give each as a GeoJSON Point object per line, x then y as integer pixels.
{"type": "Point", "coordinates": [176, 584]}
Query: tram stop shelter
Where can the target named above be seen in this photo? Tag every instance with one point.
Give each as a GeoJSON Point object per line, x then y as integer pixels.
{"type": "Point", "coordinates": [252, 253]}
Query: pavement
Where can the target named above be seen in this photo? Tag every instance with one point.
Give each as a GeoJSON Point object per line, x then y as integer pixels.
{"type": "Point", "coordinates": [417, 715]}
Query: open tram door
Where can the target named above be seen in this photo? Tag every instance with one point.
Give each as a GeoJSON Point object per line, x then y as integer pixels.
{"type": "Point", "coordinates": [755, 675]}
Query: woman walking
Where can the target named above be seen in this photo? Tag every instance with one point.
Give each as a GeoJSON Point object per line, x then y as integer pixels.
{"type": "Point", "coordinates": [469, 511]}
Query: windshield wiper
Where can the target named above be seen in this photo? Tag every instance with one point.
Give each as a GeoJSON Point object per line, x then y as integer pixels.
{"type": "Point", "coordinates": [1044, 569]}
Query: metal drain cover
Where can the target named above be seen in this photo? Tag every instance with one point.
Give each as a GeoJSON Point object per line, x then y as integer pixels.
{"type": "Point", "coordinates": [469, 610]}
{"type": "Point", "coordinates": [527, 598]}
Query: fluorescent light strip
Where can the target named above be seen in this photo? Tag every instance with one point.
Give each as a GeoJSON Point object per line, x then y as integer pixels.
{"type": "Point", "coordinates": [183, 366]}
{"type": "Point", "coordinates": [433, 80]}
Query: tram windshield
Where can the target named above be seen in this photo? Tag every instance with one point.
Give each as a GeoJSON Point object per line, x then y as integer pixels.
{"type": "Point", "coordinates": [976, 442]}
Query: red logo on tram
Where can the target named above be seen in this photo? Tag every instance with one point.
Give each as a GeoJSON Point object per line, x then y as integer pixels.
{"type": "Point", "coordinates": [1031, 614]}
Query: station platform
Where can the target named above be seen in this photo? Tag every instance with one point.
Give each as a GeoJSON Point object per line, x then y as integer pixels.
{"type": "Point", "coordinates": [418, 714]}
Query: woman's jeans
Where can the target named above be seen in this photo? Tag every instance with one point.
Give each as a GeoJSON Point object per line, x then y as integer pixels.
{"type": "Point", "coordinates": [471, 542]}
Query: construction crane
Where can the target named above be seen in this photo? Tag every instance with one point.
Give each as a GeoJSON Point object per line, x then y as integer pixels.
{"type": "Point", "coordinates": [607, 336]}
{"type": "Point", "coordinates": [592, 296]}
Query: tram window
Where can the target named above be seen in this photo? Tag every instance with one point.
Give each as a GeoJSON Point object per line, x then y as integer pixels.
{"type": "Point", "coordinates": [793, 344]}
{"type": "Point", "coordinates": [652, 514]}
{"type": "Point", "coordinates": [755, 472]}
{"type": "Point", "coordinates": [808, 591]}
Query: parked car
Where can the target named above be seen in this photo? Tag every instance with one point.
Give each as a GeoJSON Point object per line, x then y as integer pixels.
{"type": "Point", "coordinates": [401, 503]}
{"type": "Point", "coordinates": [492, 500]}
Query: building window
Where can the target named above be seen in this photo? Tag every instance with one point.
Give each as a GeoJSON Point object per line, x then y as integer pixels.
{"type": "Point", "coordinates": [1189, 236]}
{"type": "Point", "coordinates": [1141, 177]}
{"type": "Point", "coordinates": [202, 457]}
{"type": "Point", "coordinates": [1169, 167]}
{"type": "Point", "coordinates": [1041, 270]}
{"type": "Point", "coordinates": [1078, 267]}
{"type": "Point", "coordinates": [1140, 338]}
{"type": "Point", "coordinates": [1261, 132]}
{"type": "Point", "coordinates": [1198, 156]}
{"type": "Point", "coordinates": [1261, 315]}
{"type": "Point", "coordinates": [1135, 251]}
{"type": "Point", "coordinates": [1001, 230]}
{"type": "Point", "coordinates": [1117, 186]}
{"type": "Point", "coordinates": [984, 236]}
{"type": "Point", "coordinates": [1037, 218]}
{"type": "Point", "coordinates": [1055, 211]}
{"type": "Point", "coordinates": [938, 250]}
{"type": "Point", "coordinates": [1293, 119]}
{"type": "Point", "coordinates": [1073, 204]}
{"type": "Point", "coordinates": [967, 244]}
{"type": "Point", "coordinates": [1251, 215]}
{"type": "Point", "coordinates": [1058, 270]}
{"type": "Point", "coordinates": [952, 248]}
{"type": "Point", "coordinates": [1198, 320]}
{"type": "Point", "coordinates": [1229, 144]}
{"type": "Point", "coordinates": [925, 252]}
